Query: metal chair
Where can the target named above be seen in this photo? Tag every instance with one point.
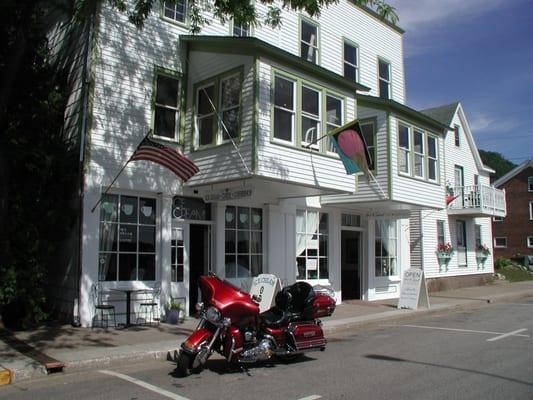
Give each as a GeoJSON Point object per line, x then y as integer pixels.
{"type": "Point", "coordinates": [105, 310]}
{"type": "Point", "coordinates": [149, 309]}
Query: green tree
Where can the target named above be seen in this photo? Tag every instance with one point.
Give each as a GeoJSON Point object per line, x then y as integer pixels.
{"type": "Point", "coordinates": [497, 162]}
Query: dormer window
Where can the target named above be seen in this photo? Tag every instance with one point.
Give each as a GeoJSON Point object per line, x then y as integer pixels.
{"type": "Point", "coordinates": [457, 135]}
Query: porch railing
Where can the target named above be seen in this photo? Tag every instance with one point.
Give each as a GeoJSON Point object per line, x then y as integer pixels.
{"type": "Point", "coordinates": [479, 198]}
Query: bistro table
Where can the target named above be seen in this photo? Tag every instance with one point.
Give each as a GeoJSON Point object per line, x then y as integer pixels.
{"type": "Point", "coordinates": [128, 292]}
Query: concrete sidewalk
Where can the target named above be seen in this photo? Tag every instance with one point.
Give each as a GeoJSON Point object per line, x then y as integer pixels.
{"type": "Point", "coordinates": [82, 348]}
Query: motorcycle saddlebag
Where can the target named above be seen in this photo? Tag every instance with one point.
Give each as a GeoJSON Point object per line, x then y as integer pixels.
{"type": "Point", "coordinates": [306, 335]}
{"type": "Point", "coordinates": [323, 305]}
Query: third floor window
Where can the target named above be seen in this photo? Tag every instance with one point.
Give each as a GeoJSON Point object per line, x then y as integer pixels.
{"type": "Point", "coordinates": [351, 62]}
{"type": "Point", "coordinates": [384, 79]}
{"type": "Point", "coordinates": [309, 41]}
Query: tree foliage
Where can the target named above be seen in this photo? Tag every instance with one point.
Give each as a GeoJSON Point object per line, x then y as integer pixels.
{"type": "Point", "coordinates": [497, 162]}
{"type": "Point", "coordinates": [36, 165]}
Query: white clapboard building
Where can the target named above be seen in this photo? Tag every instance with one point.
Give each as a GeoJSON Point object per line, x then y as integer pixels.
{"type": "Point", "coordinates": [247, 106]}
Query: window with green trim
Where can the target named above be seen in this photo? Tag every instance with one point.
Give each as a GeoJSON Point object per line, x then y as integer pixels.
{"type": "Point", "coordinates": [417, 152]}
{"type": "Point", "coordinates": [166, 107]}
{"type": "Point", "coordinates": [218, 110]}
{"type": "Point", "coordinates": [309, 41]}
{"type": "Point", "coordinates": [368, 129]}
{"type": "Point", "coordinates": [299, 106]}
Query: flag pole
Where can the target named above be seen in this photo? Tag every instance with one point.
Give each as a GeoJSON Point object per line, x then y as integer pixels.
{"type": "Point", "coordinates": [117, 175]}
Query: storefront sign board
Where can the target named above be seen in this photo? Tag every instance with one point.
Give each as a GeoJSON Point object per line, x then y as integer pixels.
{"type": "Point", "coordinates": [229, 194]}
{"type": "Point", "coordinates": [265, 287]}
{"type": "Point", "coordinates": [413, 290]}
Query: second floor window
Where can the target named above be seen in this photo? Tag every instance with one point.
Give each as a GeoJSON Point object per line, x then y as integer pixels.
{"type": "Point", "coordinates": [368, 129]}
{"type": "Point", "coordinates": [384, 79]}
{"type": "Point", "coordinates": [351, 64]}
{"type": "Point", "coordinates": [530, 184]}
{"type": "Point", "coordinates": [333, 116]}
{"type": "Point", "coordinates": [404, 149]}
{"type": "Point", "coordinates": [166, 108]}
{"type": "Point", "coordinates": [417, 153]}
{"type": "Point", "coordinates": [176, 10]}
{"type": "Point", "coordinates": [310, 116]}
{"type": "Point", "coordinates": [309, 42]}
{"type": "Point", "coordinates": [284, 109]}
{"type": "Point", "coordinates": [218, 110]}
{"type": "Point", "coordinates": [531, 210]}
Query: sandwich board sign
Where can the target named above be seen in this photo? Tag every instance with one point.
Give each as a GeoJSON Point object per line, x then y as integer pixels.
{"type": "Point", "coordinates": [413, 290]}
{"type": "Point", "coordinates": [265, 287]}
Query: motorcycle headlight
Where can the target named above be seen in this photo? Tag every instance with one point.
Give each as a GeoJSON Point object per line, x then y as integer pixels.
{"type": "Point", "coordinates": [213, 315]}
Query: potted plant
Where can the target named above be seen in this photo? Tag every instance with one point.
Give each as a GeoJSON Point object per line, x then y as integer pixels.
{"type": "Point", "coordinates": [444, 251]}
{"type": "Point", "coordinates": [174, 309]}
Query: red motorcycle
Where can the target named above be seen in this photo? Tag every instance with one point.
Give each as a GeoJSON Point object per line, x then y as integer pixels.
{"type": "Point", "coordinates": [230, 323]}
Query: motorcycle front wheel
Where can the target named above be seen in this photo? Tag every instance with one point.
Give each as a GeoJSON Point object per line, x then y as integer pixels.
{"type": "Point", "coordinates": [184, 362]}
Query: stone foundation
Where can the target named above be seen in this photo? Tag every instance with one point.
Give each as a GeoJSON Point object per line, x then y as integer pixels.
{"type": "Point", "coordinates": [457, 282]}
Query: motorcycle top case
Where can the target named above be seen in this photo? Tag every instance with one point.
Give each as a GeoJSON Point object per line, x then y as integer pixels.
{"type": "Point", "coordinates": [323, 305]}
{"type": "Point", "coordinates": [306, 335]}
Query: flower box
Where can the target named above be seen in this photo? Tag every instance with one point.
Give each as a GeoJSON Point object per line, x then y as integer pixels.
{"type": "Point", "coordinates": [441, 255]}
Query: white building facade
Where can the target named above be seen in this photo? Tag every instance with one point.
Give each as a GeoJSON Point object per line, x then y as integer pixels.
{"type": "Point", "coordinates": [270, 197]}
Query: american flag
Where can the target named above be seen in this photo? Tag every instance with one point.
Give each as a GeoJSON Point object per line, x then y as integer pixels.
{"type": "Point", "coordinates": [165, 156]}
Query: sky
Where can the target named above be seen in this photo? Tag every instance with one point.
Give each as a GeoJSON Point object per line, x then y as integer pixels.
{"type": "Point", "coordinates": [477, 52]}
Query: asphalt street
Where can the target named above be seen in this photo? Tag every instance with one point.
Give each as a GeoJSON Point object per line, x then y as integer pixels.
{"type": "Point", "coordinates": [482, 353]}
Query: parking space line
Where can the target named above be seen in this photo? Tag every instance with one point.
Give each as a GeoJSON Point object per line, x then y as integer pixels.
{"type": "Point", "coordinates": [516, 333]}
{"type": "Point", "coordinates": [312, 397]}
{"type": "Point", "coordinates": [145, 385]}
{"type": "Point", "coordinates": [503, 336]}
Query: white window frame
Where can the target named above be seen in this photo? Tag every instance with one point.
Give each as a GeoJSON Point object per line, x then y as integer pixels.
{"type": "Point", "coordinates": [165, 107]}
{"type": "Point", "coordinates": [502, 246]}
{"type": "Point", "coordinates": [177, 249]}
{"type": "Point", "coordinates": [330, 125]}
{"type": "Point", "coordinates": [419, 155]}
{"type": "Point", "coordinates": [457, 135]}
{"type": "Point", "coordinates": [212, 114]}
{"type": "Point", "coordinates": [174, 9]}
{"type": "Point", "coordinates": [531, 210]}
{"type": "Point", "coordinates": [497, 219]}
{"type": "Point", "coordinates": [349, 63]}
{"type": "Point", "coordinates": [404, 153]}
{"type": "Point", "coordinates": [281, 108]}
{"type": "Point", "coordinates": [396, 258]}
{"type": "Point", "coordinates": [221, 131]}
{"type": "Point", "coordinates": [316, 118]}
{"type": "Point", "coordinates": [240, 30]}
{"type": "Point", "coordinates": [386, 80]}
{"type": "Point", "coordinates": [529, 242]}
{"type": "Point", "coordinates": [441, 232]}
{"type": "Point", "coordinates": [315, 59]}
{"type": "Point", "coordinates": [307, 232]}
{"type": "Point", "coordinates": [250, 230]}
{"type": "Point", "coordinates": [433, 160]}
{"type": "Point", "coordinates": [530, 183]}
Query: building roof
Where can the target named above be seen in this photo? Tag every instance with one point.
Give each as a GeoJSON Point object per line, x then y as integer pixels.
{"type": "Point", "coordinates": [443, 114]}
{"type": "Point", "coordinates": [392, 105]}
{"type": "Point", "coordinates": [512, 173]}
{"type": "Point", "coordinates": [255, 47]}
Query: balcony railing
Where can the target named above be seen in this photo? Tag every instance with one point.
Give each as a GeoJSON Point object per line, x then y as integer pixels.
{"type": "Point", "coordinates": [478, 200]}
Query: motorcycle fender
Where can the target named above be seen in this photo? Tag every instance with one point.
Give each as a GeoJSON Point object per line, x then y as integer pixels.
{"type": "Point", "coordinates": [196, 339]}
{"type": "Point", "coordinates": [233, 344]}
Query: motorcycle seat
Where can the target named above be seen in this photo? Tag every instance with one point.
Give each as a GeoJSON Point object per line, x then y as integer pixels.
{"type": "Point", "coordinates": [276, 317]}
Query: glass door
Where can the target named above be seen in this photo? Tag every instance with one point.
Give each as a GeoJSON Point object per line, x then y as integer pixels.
{"type": "Point", "coordinates": [179, 266]}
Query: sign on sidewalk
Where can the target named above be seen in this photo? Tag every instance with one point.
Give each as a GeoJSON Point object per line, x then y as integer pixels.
{"type": "Point", "coordinates": [413, 290]}
{"type": "Point", "coordinates": [265, 287]}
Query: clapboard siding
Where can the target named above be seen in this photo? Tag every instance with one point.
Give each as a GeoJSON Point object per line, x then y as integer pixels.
{"type": "Point", "coordinates": [416, 239]}
{"type": "Point", "coordinates": [221, 162]}
{"type": "Point", "coordinates": [292, 164]}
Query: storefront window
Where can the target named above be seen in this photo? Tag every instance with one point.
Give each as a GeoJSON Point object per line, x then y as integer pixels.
{"type": "Point", "coordinates": [386, 243]}
{"type": "Point", "coordinates": [243, 241]}
{"type": "Point", "coordinates": [127, 238]}
{"type": "Point", "coordinates": [311, 245]}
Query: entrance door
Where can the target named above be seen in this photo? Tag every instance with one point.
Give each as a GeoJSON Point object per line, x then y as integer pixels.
{"type": "Point", "coordinates": [350, 262]}
{"type": "Point", "coordinates": [199, 260]}
{"type": "Point", "coordinates": [461, 242]}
